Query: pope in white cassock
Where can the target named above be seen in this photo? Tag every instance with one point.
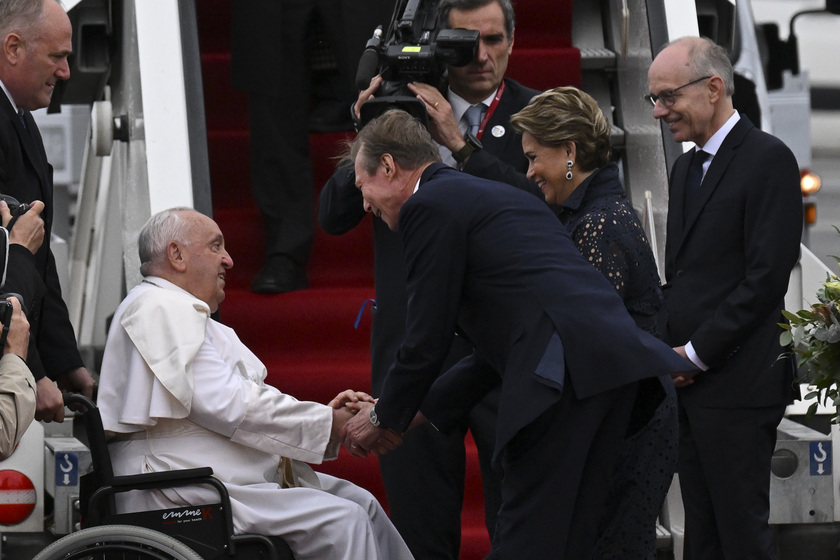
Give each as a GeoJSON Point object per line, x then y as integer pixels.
{"type": "Point", "coordinates": [179, 390]}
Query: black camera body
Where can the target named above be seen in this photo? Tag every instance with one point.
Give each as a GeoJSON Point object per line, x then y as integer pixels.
{"type": "Point", "coordinates": [15, 207]}
{"type": "Point", "coordinates": [414, 50]}
{"type": "Point", "coordinates": [6, 310]}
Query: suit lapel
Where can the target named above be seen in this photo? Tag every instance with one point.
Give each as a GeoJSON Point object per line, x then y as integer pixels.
{"type": "Point", "coordinates": [717, 168]}
{"type": "Point", "coordinates": [29, 135]}
{"type": "Point", "coordinates": [32, 146]}
{"type": "Point", "coordinates": [498, 131]}
{"type": "Point", "coordinates": [676, 199]}
{"type": "Point", "coordinates": [724, 156]}
{"type": "Point", "coordinates": [32, 150]}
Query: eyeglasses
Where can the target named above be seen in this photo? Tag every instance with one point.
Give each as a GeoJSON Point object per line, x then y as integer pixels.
{"type": "Point", "coordinates": [669, 96]}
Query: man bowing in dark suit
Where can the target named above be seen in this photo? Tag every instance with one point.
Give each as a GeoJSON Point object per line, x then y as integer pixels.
{"type": "Point", "coordinates": [734, 225]}
{"type": "Point", "coordinates": [36, 41]}
{"type": "Point", "coordinates": [428, 515]}
{"type": "Point", "coordinates": [495, 263]}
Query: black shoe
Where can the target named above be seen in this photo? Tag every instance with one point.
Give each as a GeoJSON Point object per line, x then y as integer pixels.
{"type": "Point", "coordinates": [279, 276]}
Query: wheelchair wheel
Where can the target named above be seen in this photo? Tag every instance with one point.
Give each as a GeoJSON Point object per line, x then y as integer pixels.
{"type": "Point", "coordinates": [117, 542]}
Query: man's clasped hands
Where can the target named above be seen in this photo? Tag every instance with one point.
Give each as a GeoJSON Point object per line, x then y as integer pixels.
{"type": "Point", "coordinates": [352, 425]}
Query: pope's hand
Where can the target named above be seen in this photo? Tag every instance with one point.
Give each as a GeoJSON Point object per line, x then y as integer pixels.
{"type": "Point", "coordinates": [350, 398]}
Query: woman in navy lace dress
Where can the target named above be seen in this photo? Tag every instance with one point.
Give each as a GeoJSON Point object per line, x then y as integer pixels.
{"type": "Point", "coordinates": [567, 141]}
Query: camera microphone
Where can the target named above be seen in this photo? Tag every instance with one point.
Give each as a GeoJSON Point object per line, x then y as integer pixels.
{"type": "Point", "coordinates": [369, 62]}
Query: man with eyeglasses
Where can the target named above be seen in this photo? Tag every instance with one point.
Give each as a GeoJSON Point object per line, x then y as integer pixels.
{"type": "Point", "coordinates": [734, 225]}
{"type": "Point", "coordinates": [669, 96]}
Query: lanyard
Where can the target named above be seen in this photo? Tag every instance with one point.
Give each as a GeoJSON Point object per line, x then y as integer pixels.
{"type": "Point", "coordinates": [490, 110]}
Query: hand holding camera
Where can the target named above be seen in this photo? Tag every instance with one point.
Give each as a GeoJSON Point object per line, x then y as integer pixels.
{"type": "Point", "coordinates": [24, 222]}
{"type": "Point", "coordinates": [414, 49]}
{"type": "Point", "coordinates": [15, 334]}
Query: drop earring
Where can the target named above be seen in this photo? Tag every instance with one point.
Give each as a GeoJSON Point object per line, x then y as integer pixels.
{"type": "Point", "coordinates": [569, 165]}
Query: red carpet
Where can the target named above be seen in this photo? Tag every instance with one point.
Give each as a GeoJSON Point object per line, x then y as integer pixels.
{"type": "Point", "coordinates": [307, 338]}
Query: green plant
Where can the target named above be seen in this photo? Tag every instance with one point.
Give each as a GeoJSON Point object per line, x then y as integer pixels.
{"type": "Point", "coordinates": [815, 337]}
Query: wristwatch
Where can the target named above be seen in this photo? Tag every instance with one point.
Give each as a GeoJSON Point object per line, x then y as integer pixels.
{"type": "Point", "coordinates": [374, 419]}
{"type": "Point", "coordinates": [472, 145]}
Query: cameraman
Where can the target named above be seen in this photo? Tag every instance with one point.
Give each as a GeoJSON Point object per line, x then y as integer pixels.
{"type": "Point", "coordinates": [424, 477]}
{"type": "Point", "coordinates": [17, 386]}
{"type": "Point", "coordinates": [22, 237]}
{"type": "Point", "coordinates": [19, 275]}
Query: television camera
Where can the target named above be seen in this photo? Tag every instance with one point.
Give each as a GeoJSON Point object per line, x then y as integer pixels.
{"type": "Point", "coordinates": [415, 49]}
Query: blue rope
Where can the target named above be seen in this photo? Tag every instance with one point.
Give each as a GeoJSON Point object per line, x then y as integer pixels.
{"type": "Point", "coordinates": [362, 310]}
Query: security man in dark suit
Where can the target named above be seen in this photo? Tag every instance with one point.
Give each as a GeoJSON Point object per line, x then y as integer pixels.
{"type": "Point", "coordinates": [428, 514]}
{"type": "Point", "coordinates": [36, 41]}
{"type": "Point", "coordinates": [271, 62]}
{"type": "Point", "coordinates": [734, 226]}
{"type": "Point", "coordinates": [495, 264]}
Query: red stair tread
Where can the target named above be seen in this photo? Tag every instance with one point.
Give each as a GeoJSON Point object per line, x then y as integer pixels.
{"type": "Point", "coordinates": [317, 321]}
{"type": "Point", "coordinates": [318, 380]}
{"type": "Point", "coordinates": [336, 261]}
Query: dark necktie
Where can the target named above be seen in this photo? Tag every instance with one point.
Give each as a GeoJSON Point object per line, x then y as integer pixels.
{"type": "Point", "coordinates": [22, 119]}
{"type": "Point", "coordinates": [473, 116]}
{"type": "Point", "coordinates": [695, 179]}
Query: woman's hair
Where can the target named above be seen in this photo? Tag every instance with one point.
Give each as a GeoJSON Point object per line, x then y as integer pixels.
{"type": "Point", "coordinates": [567, 114]}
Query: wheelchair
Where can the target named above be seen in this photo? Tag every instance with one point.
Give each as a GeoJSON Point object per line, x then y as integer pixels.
{"type": "Point", "coordinates": [201, 532]}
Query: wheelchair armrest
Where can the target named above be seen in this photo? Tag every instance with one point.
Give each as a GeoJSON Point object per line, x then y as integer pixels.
{"type": "Point", "coordinates": [156, 479]}
{"type": "Point", "coordinates": [164, 479]}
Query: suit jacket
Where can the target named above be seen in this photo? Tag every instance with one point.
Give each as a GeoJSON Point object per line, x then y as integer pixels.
{"type": "Point", "coordinates": [26, 175]}
{"type": "Point", "coordinates": [259, 61]}
{"type": "Point", "coordinates": [256, 47]}
{"type": "Point", "coordinates": [502, 158]}
{"type": "Point", "coordinates": [498, 265]}
{"type": "Point", "coordinates": [727, 266]}
{"type": "Point", "coordinates": [23, 279]}
{"type": "Point", "coordinates": [340, 210]}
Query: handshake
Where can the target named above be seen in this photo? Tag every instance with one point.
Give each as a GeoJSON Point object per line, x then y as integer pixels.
{"type": "Point", "coordinates": [353, 427]}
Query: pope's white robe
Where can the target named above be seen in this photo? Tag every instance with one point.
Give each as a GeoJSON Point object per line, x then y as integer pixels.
{"type": "Point", "coordinates": [180, 390]}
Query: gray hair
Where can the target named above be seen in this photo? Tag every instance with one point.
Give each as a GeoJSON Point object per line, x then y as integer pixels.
{"type": "Point", "coordinates": [447, 6]}
{"type": "Point", "coordinates": [159, 231]}
{"type": "Point", "coordinates": [707, 58]}
{"type": "Point", "coordinates": [397, 133]}
{"type": "Point", "coordinates": [20, 15]}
